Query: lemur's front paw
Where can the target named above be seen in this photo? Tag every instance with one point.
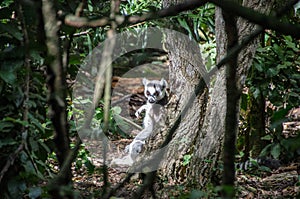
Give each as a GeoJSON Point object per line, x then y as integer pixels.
{"type": "Point", "coordinates": [126, 150]}
{"type": "Point", "coordinates": [135, 146]}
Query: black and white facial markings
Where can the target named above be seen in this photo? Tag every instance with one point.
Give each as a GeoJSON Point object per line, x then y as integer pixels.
{"type": "Point", "coordinates": [154, 89]}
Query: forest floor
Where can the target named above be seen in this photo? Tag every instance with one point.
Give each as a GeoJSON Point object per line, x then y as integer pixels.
{"type": "Point", "coordinates": [280, 183]}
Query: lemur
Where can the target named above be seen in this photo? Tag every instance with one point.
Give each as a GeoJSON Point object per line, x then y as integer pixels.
{"type": "Point", "coordinates": [257, 162]}
{"type": "Point", "coordinates": [155, 92]}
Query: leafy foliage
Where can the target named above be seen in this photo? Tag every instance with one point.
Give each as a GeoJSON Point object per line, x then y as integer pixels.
{"type": "Point", "coordinates": [26, 132]}
{"type": "Point", "coordinates": [275, 75]}
{"type": "Point", "coordinates": [136, 7]}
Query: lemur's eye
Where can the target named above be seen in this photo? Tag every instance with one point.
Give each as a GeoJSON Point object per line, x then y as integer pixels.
{"type": "Point", "coordinates": [156, 93]}
{"type": "Point", "coordinates": [147, 93]}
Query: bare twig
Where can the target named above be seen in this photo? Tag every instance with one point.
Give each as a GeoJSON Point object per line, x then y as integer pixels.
{"type": "Point", "coordinates": [77, 34]}
{"type": "Point", "coordinates": [130, 122]}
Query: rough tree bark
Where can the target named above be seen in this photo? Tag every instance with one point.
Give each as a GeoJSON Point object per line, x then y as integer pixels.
{"type": "Point", "coordinates": [201, 132]}
{"type": "Point", "coordinates": [57, 94]}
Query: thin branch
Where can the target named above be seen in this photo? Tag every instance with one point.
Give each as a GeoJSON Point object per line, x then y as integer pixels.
{"type": "Point", "coordinates": [78, 22]}
{"type": "Point", "coordinates": [77, 34]}
{"type": "Point", "coordinates": [72, 153]}
{"type": "Point", "coordinates": [107, 62]}
{"type": "Point", "coordinates": [268, 22]}
{"type": "Point", "coordinates": [12, 157]}
{"type": "Point", "coordinates": [130, 122]}
{"type": "Point", "coordinates": [236, 49]}
{"type": "Point", "coordinates": [232, 108]}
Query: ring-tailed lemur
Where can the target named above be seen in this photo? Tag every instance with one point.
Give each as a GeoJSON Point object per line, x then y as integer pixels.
{"type": "Point", "coordinates": [155, 92]}
{"type": "Point", "coordinates": [258, 162]}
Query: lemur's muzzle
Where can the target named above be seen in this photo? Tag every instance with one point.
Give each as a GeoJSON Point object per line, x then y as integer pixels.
{"type": "Point", "coordinates": [152, 99]}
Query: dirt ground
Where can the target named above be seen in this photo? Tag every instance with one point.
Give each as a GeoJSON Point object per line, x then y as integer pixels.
{"type": "Point", "coordinates": [280, 183]}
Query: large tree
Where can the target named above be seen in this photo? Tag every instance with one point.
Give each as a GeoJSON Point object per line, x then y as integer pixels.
{"type": "Point", "coordinates": [201, 131]}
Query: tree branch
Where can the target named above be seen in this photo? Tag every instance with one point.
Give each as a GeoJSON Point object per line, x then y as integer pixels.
{"type": "Point", "coordinates": [106, 61]}
{"type": "Point", "coordinates": [57, 93]}
{"type": "Point", "coordinates": [237, 48]}
{"type": "Point", "coordinates": [268, 22]}
{"type": "Point", "coordinates": [78, 22]}
{"type": "Point", "coordinates": [232, 108]}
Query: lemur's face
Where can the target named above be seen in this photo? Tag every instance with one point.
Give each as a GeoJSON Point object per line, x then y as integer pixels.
{"type": "Point", "coordinates": [154, 90]}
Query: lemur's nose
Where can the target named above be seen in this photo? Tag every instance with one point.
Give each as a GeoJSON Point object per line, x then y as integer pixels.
{"type": "Point", "coordinates": [151, 100]}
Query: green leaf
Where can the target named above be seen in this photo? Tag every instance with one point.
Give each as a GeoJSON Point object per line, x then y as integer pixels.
{"type": "Point", "coordinates": [185, 25]}
{"type": "Point", "coordinates": [258, 66]}
{"type": "Point", "coordinates": [244, 102]}
{"type": "Point", "coordinates": [186, 159]}
{"type": "Point", "coordinates": [8, 70]}
{"type": "Point", "coordinates": [75, 59]}
{"type": "Point", "coordinates": [272, 72]}
{"type": "Point", "coordinates": [89, 43]}
{"type": "Point", "coordinates": [16, 188]}
{"type": "Point", "coordinates": [37, 57]}
{"type": "Point", "coordinates": [34, 192]}
{"type": "Point", "coordinates": [264, 168]}
{"type": "Point", "coordinates": [116, 110]}
{"type": "Point", "coordinates": [17, 121]}
{"type": "Point", "coordinates": [7, 141]}
{"type": "Point", "coordinates": [275, 151]}
{"type": "Point", "coordinates": [6, 126]}
{"type": "Point", "coordinates": [12, 30]}
{"type": "Point", "coordinates": [36, 122]}
{"type": "Point", "coordinates": [267, 137]}
{"type": "Point", "coordinates": [282, 66]}
{"type": "Point", "coordinates": [266, 150]}
{"type": "Point", "coordinates": [197, 194]}
{"type": "Point", "coordinates": [8, 77]}
{"type": "Point", "coordinates": [278, 117]}
{"type": "Point", "coordinates": [290, 44]}
{"type": "Point", "coordinates": [256, 93]}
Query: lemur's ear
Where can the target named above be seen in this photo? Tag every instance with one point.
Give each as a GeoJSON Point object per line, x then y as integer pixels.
{"type": "Point", "coordinates": [163, 82]}
{"type": "Point", "coordinates": [145, 81]}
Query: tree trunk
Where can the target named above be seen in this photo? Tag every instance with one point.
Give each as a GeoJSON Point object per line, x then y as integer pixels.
{"type": "Point", "coordinates": [257, 125]}
{"type": "Point", "coordinates": [186, 68]}
{"type": "Point", "coordinates": [196, 146]}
